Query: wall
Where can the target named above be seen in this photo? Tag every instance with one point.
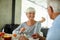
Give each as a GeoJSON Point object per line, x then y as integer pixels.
{"type": "Point", "coordinates": [18, 12]}
{"type": "Point", "coordinates": [55, 4]}
{"type": "Point", "coordinates": [5, 12]}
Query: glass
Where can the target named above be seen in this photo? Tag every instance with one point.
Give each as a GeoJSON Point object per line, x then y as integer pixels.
{"type": "Point", "coordinates": [1, 35]}
{"type": "Point", "coordinates": [7, 38]}
{"type": "Point", "coordinates": [22, 34]}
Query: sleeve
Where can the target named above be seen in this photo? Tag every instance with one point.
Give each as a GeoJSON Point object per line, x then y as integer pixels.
{"type": "Point", "coordinates": [17, 30]}
{"type": "Point", "coordinates": [38, 27]}
{"type": "Point", "coordinates": [53, 34]}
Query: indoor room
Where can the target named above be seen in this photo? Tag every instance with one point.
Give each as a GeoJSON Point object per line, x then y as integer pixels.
{"type": "Point", "coordinates": [29, 19]}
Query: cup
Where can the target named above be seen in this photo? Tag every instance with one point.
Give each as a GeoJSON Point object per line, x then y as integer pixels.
{"type": "Point", "coordinates": [7, 38]}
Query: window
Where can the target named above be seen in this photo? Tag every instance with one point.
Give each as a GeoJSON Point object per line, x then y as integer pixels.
{"type": "Point", "coordinates": [41, 11]}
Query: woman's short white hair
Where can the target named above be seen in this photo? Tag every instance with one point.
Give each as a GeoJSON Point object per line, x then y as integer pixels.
{"type": "Point", "coordinates": [30, 9]}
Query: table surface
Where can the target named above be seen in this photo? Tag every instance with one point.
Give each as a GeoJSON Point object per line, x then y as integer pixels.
{"type": "Point", "coordinates": [17, 37]}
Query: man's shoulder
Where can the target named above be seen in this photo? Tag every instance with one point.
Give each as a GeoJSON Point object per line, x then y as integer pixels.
{"type": "Point", "coordinates": [56, 21]}
{"type": "Point", "coordinates": [58, 17]}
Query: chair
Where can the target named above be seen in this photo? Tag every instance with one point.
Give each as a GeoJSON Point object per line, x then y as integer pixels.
{"type": "Point", "coordinates": [8, 28]}
{"type": "Point", "coordinates": [44, 30]}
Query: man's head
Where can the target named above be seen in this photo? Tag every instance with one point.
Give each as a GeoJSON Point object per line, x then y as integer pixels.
{"type": "Point", "coordinates": [51, 13]}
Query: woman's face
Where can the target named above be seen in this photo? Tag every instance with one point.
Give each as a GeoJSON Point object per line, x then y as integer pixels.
{"type": "Point", "coordinates": [30, 15]}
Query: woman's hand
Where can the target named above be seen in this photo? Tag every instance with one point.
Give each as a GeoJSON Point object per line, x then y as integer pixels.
{"type": "Point", "coordinates": [35, 36]}
{"type": "Point", "coordinates": [23, 38]}
{"type": "Point", "coordinates": [43, 19]}
{"type": "Point", "coordinates": [22, 29]}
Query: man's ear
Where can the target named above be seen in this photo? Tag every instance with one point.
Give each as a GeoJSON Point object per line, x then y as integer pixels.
{"type": "Point", "coordinates": [50, 12]}
{"type": "Point", "coordinates": [26, 14]}
{"type": "Point", "coordinates": [50, 9]}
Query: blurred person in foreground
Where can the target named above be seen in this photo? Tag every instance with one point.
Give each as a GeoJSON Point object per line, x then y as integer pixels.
{"type": "Point", "coordinates": [54, 31]}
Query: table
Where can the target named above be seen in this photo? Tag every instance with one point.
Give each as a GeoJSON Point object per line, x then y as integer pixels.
{"type": "Point", "coordinates": [17, 37]}
{"type": "Point", "coordinates": [29, 39]}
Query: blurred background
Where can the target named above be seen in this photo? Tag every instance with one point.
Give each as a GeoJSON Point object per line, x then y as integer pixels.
{"type": "Point", "coordinates": [13, 11]}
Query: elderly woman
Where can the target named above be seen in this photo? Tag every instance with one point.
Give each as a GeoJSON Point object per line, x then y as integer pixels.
{"type": "Point", "coordinates": [31, 26]}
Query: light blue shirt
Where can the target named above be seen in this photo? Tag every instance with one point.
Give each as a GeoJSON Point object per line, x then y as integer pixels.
{"type": "Point", "coordinates": [29, 29]}
{"type": "Point", "coordinates": [54, 31]}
